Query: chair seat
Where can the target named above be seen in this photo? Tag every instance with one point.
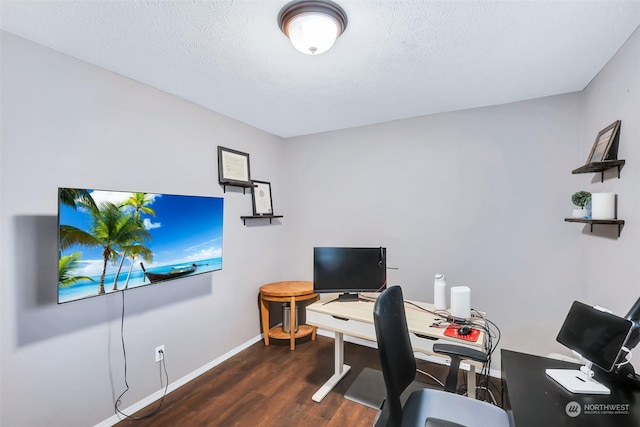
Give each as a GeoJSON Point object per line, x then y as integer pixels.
{"type": "Point", "coordinates": [454, 408]}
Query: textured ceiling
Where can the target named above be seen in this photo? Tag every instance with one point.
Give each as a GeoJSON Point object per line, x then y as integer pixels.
{"type": "Point", "coordinates": [396, 59]}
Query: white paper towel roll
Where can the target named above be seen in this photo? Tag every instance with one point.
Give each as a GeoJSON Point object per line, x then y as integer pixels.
{"type": "Point", "coordinates": [603, 205]}
{"type": "Point", "coordinates": [461, 302]}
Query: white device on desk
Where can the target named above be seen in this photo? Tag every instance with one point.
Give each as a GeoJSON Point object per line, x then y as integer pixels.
{"type": "Point", "coordinates": [460, 302]}
{"type": "Point", "coordinates": [599, 337]}
{"type": "Point", "coordinates": [440, 292]}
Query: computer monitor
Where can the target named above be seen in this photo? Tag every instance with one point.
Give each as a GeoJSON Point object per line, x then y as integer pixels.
{"type": "Point", "coordinates": [349, 270]}
{"type": "Point", "coordinates": [597, 336]}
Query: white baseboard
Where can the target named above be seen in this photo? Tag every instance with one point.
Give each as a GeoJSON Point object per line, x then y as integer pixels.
{"type": "Point", "coordinates": [176, 384]}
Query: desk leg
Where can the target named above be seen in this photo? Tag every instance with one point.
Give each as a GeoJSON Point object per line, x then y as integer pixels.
{"type": "Point", "coordinates": [471, 382]}
{"type": "Point", "coordinates": [339, 369]}
{"type": "Point", "coordinates": [314, 328]}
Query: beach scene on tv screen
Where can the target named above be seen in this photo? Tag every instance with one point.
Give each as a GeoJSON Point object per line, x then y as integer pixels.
{"type": "Point", "coordinates": [113, 240]}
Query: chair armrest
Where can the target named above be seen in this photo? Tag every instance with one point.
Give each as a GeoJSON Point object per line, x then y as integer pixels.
{"type": "Point", "coordinates": [460, 351]}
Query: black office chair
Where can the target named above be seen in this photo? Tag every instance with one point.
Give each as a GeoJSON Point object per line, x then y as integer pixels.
{"type": "Point", "coordinates": [425, 407]}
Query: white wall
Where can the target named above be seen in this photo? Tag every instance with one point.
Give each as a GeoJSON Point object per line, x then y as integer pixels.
{"type": "Point", "coordinates": [67, 123]}
{"type": "Point", "coordinates": [477, 195]}
{"type": "Point", "coordinates": [611, 267]}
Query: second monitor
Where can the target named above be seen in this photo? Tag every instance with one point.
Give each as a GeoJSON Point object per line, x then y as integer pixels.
{"type": "Point", "coordinates": [599, 337]}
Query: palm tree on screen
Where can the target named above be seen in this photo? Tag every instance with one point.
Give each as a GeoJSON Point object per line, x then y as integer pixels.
{"type": "Point", "coordinates": [134, 252]}
{"type": "Point", "coordinates": [111, 228]}
{"type": "Point", "coordinates": [71, 196]}
{"type": "Point", "coordinates": [66, 266]}
{"type": "Point", "coordinates": [140, 203]}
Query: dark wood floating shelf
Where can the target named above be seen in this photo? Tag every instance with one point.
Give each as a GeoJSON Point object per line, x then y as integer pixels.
{"type": "Point", "coordinates": [618, 222]}
{"type": "Point", "coordinates": [271, 217]}
{"type": "Point", "coordinates": [600, 167]}
{"type": "Point", "coordinates": [244, 185]}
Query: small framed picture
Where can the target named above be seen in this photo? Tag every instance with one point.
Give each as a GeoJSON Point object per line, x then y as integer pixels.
{"type": "Point", "coordinates": [603, 142]}
{"type": "Point", "coordinates": [261, 195]}
{"type": "Point", "coordinates": [233, 167]}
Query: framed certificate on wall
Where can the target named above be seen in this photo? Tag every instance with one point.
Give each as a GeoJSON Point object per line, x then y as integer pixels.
{"type": "Point", "coordinates": [233, 167]}
{"type": "Point", "coordinates": [261, 195]}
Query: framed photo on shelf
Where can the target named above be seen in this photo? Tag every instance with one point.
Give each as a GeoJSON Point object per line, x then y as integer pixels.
{"type": "Point", "coordinates": [602, 145]}
{"type": "Point", "coordinates": [261, 195]}
{"type": "Point", "coordinates": [233, 167]}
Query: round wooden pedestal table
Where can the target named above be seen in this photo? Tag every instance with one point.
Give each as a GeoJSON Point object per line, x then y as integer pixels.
{"type": "Point", "coordinates": [286, 292]}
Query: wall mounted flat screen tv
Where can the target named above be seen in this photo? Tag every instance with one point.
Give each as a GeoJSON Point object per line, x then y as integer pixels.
{"type": "Point", "coordinates": [111, 241]}
{"type": "Point", "coordinates": [349, 270]}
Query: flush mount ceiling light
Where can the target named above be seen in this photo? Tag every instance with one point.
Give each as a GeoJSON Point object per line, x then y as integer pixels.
{"type": "Point", "coordinates": [312, 26]}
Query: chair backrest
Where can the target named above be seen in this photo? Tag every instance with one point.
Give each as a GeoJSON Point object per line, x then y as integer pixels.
{"type": "Point", "coordinates": [396, 354]}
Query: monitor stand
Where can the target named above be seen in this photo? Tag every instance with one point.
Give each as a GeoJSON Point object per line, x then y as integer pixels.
{"type": "Point", "coordinates": [578, 381]}
{"type": "Point", "coordinates": [348, 297]}
{"type": "Point", "coordinates": [345, 297]}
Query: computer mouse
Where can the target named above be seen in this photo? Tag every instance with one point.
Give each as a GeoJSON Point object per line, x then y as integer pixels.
{"type": "Point", "coordinates": [464, 330]}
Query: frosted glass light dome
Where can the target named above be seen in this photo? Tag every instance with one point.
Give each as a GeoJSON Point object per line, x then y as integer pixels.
{"type": "Point", "coordinates": [313, 33]}
{"type": "Point", "coordinates": [312, 26]}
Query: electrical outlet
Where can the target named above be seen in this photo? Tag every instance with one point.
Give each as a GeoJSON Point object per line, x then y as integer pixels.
{"type": "Point", "coordinates": [159, 353]}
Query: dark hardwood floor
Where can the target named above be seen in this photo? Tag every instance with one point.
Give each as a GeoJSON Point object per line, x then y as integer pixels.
{"type": "Point", "coordinates": [272, 386]}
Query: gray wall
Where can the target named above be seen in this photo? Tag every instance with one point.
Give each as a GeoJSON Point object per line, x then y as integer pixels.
{"type": "Point", "coordinates": [67, 123]}
{"type": "Point", "coordinates": [478, 195]}
{"type": "Point", "coordinates": [611, 267]}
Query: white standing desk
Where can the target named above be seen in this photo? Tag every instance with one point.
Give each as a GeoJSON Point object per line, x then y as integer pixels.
{"type": "Point", "coordinates": [355, 318]}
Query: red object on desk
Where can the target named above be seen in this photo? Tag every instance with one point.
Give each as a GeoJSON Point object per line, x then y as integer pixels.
{"type": "Point", "coordinates": [452, 331]}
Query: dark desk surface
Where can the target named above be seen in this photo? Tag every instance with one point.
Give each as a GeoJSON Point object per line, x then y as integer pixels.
{"type": "Point", "coordinates": [536, 400]}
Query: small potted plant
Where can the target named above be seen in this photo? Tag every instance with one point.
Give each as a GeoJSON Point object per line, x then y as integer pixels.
{"type": "Point", "coordinates": [580, 199]}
